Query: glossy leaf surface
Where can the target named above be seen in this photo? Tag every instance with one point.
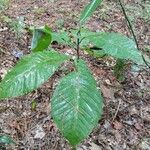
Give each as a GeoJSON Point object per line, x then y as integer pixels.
{"type": "Point", "coordinates": [89, 10]}
{"type": "Point", "coordinates": [41, 39]}
{"type": "Point", "coordinates": [117, 45]}
{"type": "Point", "coordinates": [30, 73]}
{"type": "Point", "coordinates": [77, 104]}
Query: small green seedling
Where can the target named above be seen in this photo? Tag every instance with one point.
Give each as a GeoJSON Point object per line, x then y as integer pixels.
{"type": "Point", "coordinates": [76, 103]}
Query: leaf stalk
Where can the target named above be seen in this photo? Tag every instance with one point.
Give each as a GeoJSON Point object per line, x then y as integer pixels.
{"type": "Point", "coordinates": [78, 44]}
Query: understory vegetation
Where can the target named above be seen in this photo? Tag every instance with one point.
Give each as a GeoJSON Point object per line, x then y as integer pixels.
{"type": "Point", "coordinates": [77, 96]}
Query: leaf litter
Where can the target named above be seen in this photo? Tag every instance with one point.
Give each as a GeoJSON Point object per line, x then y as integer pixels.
{"type": "Point", "coordinates": [34, 129]}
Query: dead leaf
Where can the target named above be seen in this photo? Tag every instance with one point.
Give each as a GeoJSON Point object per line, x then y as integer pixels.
{"type": "Point", "coordinates": [39, 133]}
{"type": "Point", "coordinates": [107, 92]}
{"type": "Point", "coordinates": [138, 126]}
{"type": "Point", "coordinates": [118, 136]}
{"type": "Point", "coordinates": [94, 146]}
{"type": "Point", "coordinates": [108, 82]}
{"type": "Point", "coordinates": [117, 125]}
{"type": "Point", "coordinates": [134, 111]}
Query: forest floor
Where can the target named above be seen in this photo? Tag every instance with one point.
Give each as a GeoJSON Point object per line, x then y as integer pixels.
{"type": "Point", "coordinates": [125, 124]}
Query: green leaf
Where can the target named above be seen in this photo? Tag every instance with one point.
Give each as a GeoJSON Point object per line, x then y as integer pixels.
{"type": "Point", "coordinates": [117, 45]}
{"type": "Point", "coordinates": [89, 10]}
{"type": "Point", "coordinates": [96, 53]}
{"type": "Point", "coordinates": [30, 73]}
{"type": "Point", "coordinates": [61, 37]}
{"type": "Point", "coordinates": [41, 39]}
{"type": "Point", "coordinates": [85, 35]}
{"type": "Point", "coordinates": [113, 44]}
{"type": "Point", "coordinates": [4, 139]}
{"type": "Point", "coordinates": [77, 104]}
{"type": "Point", "coordinates": [33, 105]}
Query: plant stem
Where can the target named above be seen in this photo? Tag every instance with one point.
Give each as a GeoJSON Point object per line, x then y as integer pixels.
{"type": "Point", "coordinates": [74, 148]}
{"type": "Point", "coordinates": [131, 29]}
{"type": "Point", "coordinates": [78, 44]}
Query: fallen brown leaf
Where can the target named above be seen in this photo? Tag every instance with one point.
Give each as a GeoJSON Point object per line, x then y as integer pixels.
{"type": "Point", "coordinates": [117, 125]}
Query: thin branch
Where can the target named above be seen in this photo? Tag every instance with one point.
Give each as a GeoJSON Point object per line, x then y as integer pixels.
{"type": "Point", "coordinates": [117, 110]}
{"type": "Point", "coordinates": [82, 40]}
{"type": "Point", "coordinates": [131, 29]}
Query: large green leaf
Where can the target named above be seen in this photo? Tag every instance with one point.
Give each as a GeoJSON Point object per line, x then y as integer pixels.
{"type": "Point", "coordinates": [89, 10]}
{"type": "Point", "coordinates": [117, 45]}
{"type": "Point", "coordinates": [30, 73]}
{"type": "Point", "coordinates": [77, 104]}
{"type": "Point", "coordinates": [41, 39]}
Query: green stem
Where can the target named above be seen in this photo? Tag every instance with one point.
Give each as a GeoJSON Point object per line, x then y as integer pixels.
{"type": "Point", "coordinates": [131, 29]}
{"type": "Point", "coordinates": [74, 148]}
{"type": "Point", "coordinates": [78, 44]}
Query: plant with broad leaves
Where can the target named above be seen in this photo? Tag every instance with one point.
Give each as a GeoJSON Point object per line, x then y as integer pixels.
{"type": "Point", "coordinates": [76, 103]}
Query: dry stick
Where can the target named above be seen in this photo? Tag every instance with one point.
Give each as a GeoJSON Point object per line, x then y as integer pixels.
{"type": "Point", "coordinates": [117, 110]}
{"type": "Point", "coordinates": [131, 29]}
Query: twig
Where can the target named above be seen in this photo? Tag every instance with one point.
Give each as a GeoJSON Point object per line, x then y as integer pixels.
{"type": "Point", "coordinates": [117, 110]}
{"type": "Point", "coordinates": [131, 29]}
